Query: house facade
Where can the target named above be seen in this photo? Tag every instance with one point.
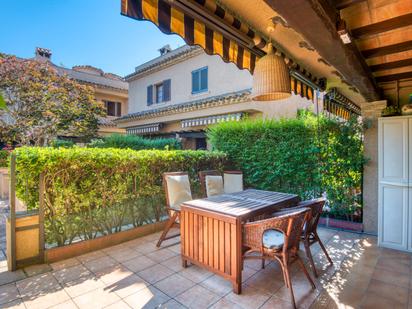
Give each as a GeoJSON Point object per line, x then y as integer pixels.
{"type": "Point", "coordinates": [110, 89]}
{"type": "Point", "coordinates": [181, 92]}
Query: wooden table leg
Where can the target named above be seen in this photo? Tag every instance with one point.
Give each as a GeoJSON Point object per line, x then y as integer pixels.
{"type": "Point", "coordinates": [237, 286]}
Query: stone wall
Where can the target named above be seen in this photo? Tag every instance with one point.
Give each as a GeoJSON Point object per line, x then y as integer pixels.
{"type": "Point", "coordinates": [371, 111]}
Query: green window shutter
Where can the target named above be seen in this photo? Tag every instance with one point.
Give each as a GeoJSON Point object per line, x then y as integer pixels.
{"type": "Point", "coordinates": [149, 95]}
{"type": "Point", "coordinates": [195, 81]}
{"type": "Point", "coordinates": [203, 79]}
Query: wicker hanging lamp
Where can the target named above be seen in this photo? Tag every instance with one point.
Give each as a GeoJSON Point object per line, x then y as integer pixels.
{"type": "Point", "coordinates": [271, 80]}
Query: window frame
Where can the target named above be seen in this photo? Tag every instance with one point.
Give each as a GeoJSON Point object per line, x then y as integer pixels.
{"type": "Point", "coordinates": [156, 97]}
{"type": "Point", "coordinates": [205, 68]}
{"type": "Point", "coordinates": [117, 108]}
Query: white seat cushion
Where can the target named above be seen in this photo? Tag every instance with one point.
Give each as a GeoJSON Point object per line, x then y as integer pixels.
{"type": "Point", "coordinates": [178, 187]}
{"type": "Point", "coordinates": [214, 185]}
{"type": "Point", "coordinates": [233, 182]}
{"type": "Point", "coordinates": [273, 239]}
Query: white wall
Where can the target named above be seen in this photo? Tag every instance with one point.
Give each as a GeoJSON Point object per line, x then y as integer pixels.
{"type": "Point", "coordinates": [222, 78]}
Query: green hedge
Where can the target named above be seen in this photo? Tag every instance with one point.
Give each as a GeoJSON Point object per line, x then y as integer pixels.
{"type": "Point", "coordinates": [135, 142]}
{"type": "Point", "coordinates": [306, 156]}
{"type": "Point", "coordinates": [4, 158]}
{"type": "Point", "coordinates": [92, 192]}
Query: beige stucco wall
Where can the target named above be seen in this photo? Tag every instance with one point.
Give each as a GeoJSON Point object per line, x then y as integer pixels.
{"type": "Point", "coordinates": [370, 113]}
{"type": "Point", "coordinates": [222, 78]}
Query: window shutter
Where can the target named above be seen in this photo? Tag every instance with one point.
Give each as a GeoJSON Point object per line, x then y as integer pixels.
{"type": "Point", "coordinates": [203, 79]}
{"type": "Point", "coordinates": [166, 90]}
{"type": "Point", "coordinates": [119, 109]}
{"type": "Point", "coordinates": [150, 95]}
{"type": "Point", "coordinates": [195, 81]}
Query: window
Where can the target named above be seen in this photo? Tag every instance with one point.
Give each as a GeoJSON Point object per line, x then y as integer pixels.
{"type": "Point", "coordinates": [113, 108]}
{"type": "Point", "coordinates": [159, 93]}
{"type": "Point", "coordinates": [162, 92]}
{"type": "Point", "coordinates": [199, 80]}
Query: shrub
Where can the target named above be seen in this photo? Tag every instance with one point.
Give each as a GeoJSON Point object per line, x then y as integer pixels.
{"type": "Point", "coordinates": [92, 192]}
{"type": "Point", "coordinates": [4, 158]}
{"type": "Point", "coordinates": [135, 142]}
{"type": "Point", "coordinates": [306, 156]}
{"type": "Point", "coordinates": [62, 143]}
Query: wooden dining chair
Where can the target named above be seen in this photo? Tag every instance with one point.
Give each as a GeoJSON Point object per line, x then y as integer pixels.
{"type": "Point", "coordinates": [278, 238]}
{"type": "Point", "coordinates": [232, 181]}
{"type": "Point", "coordinates": [177, 189]}
{"type": "Point", "coordinates": [309, 234]}
{"type": "Point", "coordinates": [211, 183]}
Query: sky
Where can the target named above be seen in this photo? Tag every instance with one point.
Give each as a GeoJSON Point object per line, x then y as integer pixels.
{"type": "Point", "coordinates": [80, 32]}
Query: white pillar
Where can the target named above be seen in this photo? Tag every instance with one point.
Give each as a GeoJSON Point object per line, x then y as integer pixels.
{"type": "Point", "coordinates": [371, 111]}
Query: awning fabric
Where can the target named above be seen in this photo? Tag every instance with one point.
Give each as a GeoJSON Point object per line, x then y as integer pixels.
{"type": "Point", "coordinates": [339, 105]}
{"type": "Point", "coordinates": [210, 120]}
{"type": "Point", "coordinates": [145, 129]}
{"type": "Point", "coordinates": [170, 16]}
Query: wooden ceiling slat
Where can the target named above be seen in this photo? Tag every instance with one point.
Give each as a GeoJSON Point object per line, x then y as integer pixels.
{"type": "Point", "coordinates": [386, 50]}
{"type": "Point", "coordinates": [393, 77]}
{"type": "Point", "coordinates": [391, 65]}
{"type": "Point", "coordinates": [342, 4]}
{"type": "Point", "coordinates": [383, 26]}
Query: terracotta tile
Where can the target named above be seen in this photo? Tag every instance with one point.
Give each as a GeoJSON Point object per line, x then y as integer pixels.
{"type": "Point", "coordinates": [47, 299]}
{"type": "Point", "coordinates": [224, 303]}
{"type": "Point", "coordinates": [15, 304]}
{"type": "Point", "coordinates": [8, 293]}
{"type": "Point", "coordinates": [195, 273]}
{"type": "Point", "coordinates": [113, 274]}
{"type": "Point", "coordinates": [139, 263]}
{"type": "Point", "coordinates": [389, 291]}
{"type": "Point", "coordinates": [37, 269]}
{"type": "Point", "coordinates": [161, 255]}
{"type": "Point", "coordinates": [247, 273]}
{"type": "Point", "coordinates": [91, 256]}
{"type": "Point", "coordinates": [69, 304]}
{"type": "Point", "coordinates": [393, 264]}
{"type": "Point", "coordinates": [123, 254]}
{"type": "Point", "coordinates": [127, 286]}
{"type": "Point", "coordinates": [374, 301]}
{"type": "Point", "coordinates": [146, 247]}
{"type": "Point", "coordinates": [174, 285]}
{"type": "Point", "coordinates": [174, 263]}
{"type": "Point", "coordinates": [100, 263]}
{"type": "Point", "coordinates": [277, 303]}
{"type": "Point", "coordinates": [11, 276]}
{"type": "Point", "coordinates": [217, 285]}
{"type": "Point", "coordinates": [65, 264]}
{"type": "Point", "coordinates": [118, 305]}
{"type": "Point", "coordinates": [391, 277]}
{"type": "Point", "coordinates": [197, 297]}
{"type": "Point", "coordinates": [172, 304]}
{"type": "Point", "coordinates": [37, 284]}
{"type": "Point", "coordinates": [302, 290]}
{"type": "Point", "coordinates": [72, 273]}
{"type": "Point", "coordinates": [82, 286]}
{"type": "Point", "coordinates": [98, 298]}
{"type": "Point", "coordinates": [155, 273]}
{"type": "Point", "coordinates": [175, 248]}
{"type": "Point", "coordinates": [149, 297]}
{"type": "Point", "coordinates": [267, 280]}
{"type": "Point", "coordinates": [249, 298]}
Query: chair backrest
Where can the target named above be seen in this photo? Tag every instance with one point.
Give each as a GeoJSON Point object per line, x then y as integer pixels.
{"type": "Point", "coordinates": [316, 207]}
{"type": "Point", "coordinates": [210, 183]}
{"type": "Point", "coordinates": [296, 221]}
{"type": "Point", "coordinates": [177, 189]}
{"type": "Point", "coordinates": [232, 181]}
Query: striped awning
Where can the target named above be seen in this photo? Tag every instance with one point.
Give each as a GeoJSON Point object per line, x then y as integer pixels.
{"type": "Point", "coordinates": [211, 120]}
{"type": "Point", "coordinates": [204, 23]}
{"type": "Point", "coordinates": [337, 104]}
{"type": "Point", "coordinates": [145, 129]}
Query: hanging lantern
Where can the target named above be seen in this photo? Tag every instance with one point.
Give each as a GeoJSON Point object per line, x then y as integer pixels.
{"type": "Point", "coordinates": [271, 80]}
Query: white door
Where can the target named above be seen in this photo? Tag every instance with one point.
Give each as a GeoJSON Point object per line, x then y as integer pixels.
{"type": "Point", "coordinates": [393, 182]}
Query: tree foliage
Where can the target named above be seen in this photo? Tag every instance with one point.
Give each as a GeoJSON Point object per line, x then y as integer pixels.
{"type": "Point", "coordinates": [308, 156]}
{"type": "Point", "coordinates": [42, 104]}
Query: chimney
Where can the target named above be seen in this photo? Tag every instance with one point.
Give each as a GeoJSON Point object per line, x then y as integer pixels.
{"type": "Point", "coordinates": [43, 53]}
{"type": "Point", "coordinates": [165, 49]}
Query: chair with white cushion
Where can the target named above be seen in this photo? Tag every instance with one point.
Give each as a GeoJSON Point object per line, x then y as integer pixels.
{"type": "Point", "coordinates": [233, 181]}
{"type": "Point", "coordinates": [211, 183]}
{"type": "Point", "coordinates": [177, 189]}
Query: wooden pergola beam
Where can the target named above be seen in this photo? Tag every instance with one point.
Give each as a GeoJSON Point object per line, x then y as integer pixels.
{"type": "Point", "coordinates": [393, 77]}
{"type": "Point", "coordinates": [383, 26]}
{"type": "Point", "coordinates": [316, 21]}
{"type": "Point", "coordinates": [391, 65]}
{"type": "Point", "coordinates": [387, 50]}
{"type": "Point", "coordinates": [343, 4]}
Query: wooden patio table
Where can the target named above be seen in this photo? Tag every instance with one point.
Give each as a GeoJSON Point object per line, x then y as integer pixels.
{"type": "Point", "coordinates": [211, 229]}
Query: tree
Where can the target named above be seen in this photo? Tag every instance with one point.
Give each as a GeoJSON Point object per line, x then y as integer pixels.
{"type": "Point", "coordinates": [41, 104]}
